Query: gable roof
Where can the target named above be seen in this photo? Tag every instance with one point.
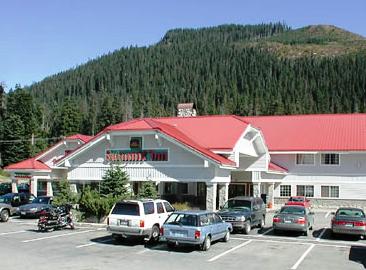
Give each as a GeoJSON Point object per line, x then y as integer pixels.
{"type": "Point", "coordinates": [29, 164]}
{"type": "Point", "coordinates": [313, 132]}
{"type": "Point", "coordinates": [81, 137]}
{"type": "Point", "coordinates": [202, 134]}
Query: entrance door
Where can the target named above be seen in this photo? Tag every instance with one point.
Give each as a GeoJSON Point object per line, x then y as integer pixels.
{"type": "Point", "coordinates": [237, 190]}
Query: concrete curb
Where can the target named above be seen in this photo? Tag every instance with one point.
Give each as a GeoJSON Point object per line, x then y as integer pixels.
{"type": "Point", "coordinates": [87, 224]}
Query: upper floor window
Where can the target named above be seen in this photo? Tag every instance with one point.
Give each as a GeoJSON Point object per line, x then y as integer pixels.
{"type": "Point", "coordinates": [330, 159]}
{"type": "Point", "coordinates": [305, 159]}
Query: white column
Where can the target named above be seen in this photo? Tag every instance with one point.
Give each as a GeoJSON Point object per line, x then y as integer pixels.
{"type": "Point", "coordinates": [34, 186]}
{"type": "Point", "coordinates": [14, 185]}
{"type": "Point", "coordinates": [49, 188]}
{"type": "Point", "coordinates": [270, 194]}
{"type": "Point", "coordinates": [211, 190]}
{"type": "Point", "coordinates": [73, 188]}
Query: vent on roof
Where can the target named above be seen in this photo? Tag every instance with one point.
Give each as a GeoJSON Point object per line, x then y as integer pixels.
{"type": "Point", "coordinates": [186, 110]}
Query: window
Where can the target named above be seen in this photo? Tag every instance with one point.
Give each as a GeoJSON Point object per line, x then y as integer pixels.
{"type": "Point", "coordinates": [307, 191]}
{"type": "Point", "coordinates": [182, 188]}
{"type": "Point", "coordinates": [305, 159]}
{"type": "Point", "coordinates": [149, 208]}
{"type": "Point", "coordinates": [168, 188]}
{"type": "Point", "coordinates": [330, 159]}
{"type": "Point", "coordinates": [129, 209]}
{"type": "Point", "coordinates": [160, 208]}
{"type": "Point", "coordinates": [168, 207]}
{"type": "Point", "coordinates": [330, 191]}
{"type": "Point", "coordinates": [285, 190]}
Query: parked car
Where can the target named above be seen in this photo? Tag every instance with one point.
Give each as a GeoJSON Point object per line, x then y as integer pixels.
{"type": "Point", "coordinates": [5, 188]}
{"type": "Point", "coordinates": [244, 213]}
{"type": "Point", "coordinates": [10, 202]}
{"type": "Point", "coordinates": [299, 200]}
{"type": "Point", "coordinates": [350, 221]}
{"type": "Point", "coordinates": [35, 207]}
{"type": "Point", "coordinates": [293, 218]}
{"type": "Point", "coordinates": [138, 218]}
{"type": "Point", "coordinates": [195, 228]}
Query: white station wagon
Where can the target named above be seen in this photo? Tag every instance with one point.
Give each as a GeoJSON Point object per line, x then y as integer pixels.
{"type": "Point", "coordinates": [134, 218]}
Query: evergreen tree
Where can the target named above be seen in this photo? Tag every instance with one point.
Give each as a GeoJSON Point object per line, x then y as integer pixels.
{"type": "Point", "coordinates": [115, 183]}
{"type": "Point", "coordinates": [68, 120]}
{"type": "Point", "coordinates": [148, 190]}
{"type": "Point", "coordinates": [64, 195]}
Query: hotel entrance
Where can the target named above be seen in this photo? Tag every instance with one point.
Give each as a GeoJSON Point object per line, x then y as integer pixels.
{"type": "Point", "coordinates": [240, 189]}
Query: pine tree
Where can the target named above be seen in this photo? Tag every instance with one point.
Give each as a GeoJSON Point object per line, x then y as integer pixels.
{"type": "Point", "coordinates": [115, 182]}
{"type": "Point", "coordinates": [148, 190]}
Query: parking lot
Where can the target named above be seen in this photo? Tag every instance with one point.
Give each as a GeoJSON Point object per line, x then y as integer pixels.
{"type": "Point", "coordinates": [91, 247]}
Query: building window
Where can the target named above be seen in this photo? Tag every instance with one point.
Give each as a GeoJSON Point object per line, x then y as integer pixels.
{"type": "Point", "coordinates": [330, 191]}
{"type": "Point", "coordinates": [285, 191]}
{"type": "Point", "coordinates": [307, 191]}
{"type": "Point", "coordinates": [182, 188]}
{"type": "Point", "coordinates": [330, 159]}
{"type": "Point", "coordinates": [168, 188]}
{"type": "Point", "coordinates": [305, 159]}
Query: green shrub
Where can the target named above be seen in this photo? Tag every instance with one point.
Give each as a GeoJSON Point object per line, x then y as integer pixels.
{"type": "Point", "coordinates": [148, 190]}
{"type": "Point", "coordinates": [65, 195]}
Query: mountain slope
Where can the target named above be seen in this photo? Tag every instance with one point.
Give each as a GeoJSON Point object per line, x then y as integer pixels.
{"type": "Point", "coordinates": [232, 69]}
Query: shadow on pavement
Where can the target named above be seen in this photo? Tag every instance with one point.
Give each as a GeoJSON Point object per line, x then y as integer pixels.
{"type": "Point", "coordinates": [358, 254]}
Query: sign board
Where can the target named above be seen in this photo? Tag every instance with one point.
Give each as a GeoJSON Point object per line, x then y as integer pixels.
{"type": "Point", "coordinates": [21, 175]}
{"type": "Point", "coordinates": [137, 155]}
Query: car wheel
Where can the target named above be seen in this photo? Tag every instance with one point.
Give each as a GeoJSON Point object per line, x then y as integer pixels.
{"type": "Point", "coordinates": [276, 231]}
{"type": "Point", "coordinates": [4, 215]}
{"type": "Point", "coordinates": [155, 233]}
{"type": "Point", "coordinates": [227, 237]}
{"type": "Point", "coordinates": [262, 223]}
{"type": "Point", "coordinates": [206, 244]}
{"type": "Point", "coordinates": [247, 227]}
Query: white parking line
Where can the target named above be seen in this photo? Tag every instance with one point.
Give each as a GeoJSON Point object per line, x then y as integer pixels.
{"type": "Point", "coordinates": [7, 233]}
{"type": "Point", "coordinates": [230, 250]}
{"type": "Point", "coordinates": [94, 243]}
{"type": "Point", "coordinates": [321, 234]}
{"type": "Point", "coordinates": [57, 236]}
{"type": "Point", "coordinates": [327, 214]}
{"type": "Point", "coordinates": [266, 232]}
{"type": "Point", "coordinates": [302, 257]}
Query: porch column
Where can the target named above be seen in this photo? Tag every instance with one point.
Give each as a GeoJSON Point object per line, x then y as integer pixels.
{"type": "Point", "coordinates": [223, 193]}
{"type": "Point", "coordinates": [49, 188]}
{"type": "Point", "coordinates": [14, 185]}
{"type": "Point", "coordinates": [270, 194]}
{"type": "Point", "coordinates": [34, 186]}
{"type": "Point", "coordinates": [211, 190]}
{"type": "Point", "coordinates": [256, 189]}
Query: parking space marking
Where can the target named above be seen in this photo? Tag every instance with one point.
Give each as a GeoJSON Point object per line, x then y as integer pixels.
{"type": "Point", "coordinates": [321, 234]}
{"type": "Point", "coordinates": [57, 236]}
{"type": "Point", "coordinates": [94, 243]}
{"type": "Point", "coordinates": [299, 261]}
{"type": "Point", "coordinates": [327, 214]}
{"type": "Point", "coordinates": [7, 233]}
{"type": "Point", "coordinates": [266, 232]}
{"type": "Point", "coordinates": [230, 250]}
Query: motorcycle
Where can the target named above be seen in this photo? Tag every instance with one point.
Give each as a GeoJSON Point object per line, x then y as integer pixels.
{"type": "Point", "coordinates": [56, 218]}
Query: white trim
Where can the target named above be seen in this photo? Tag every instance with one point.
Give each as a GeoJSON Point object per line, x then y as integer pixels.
{"type": "Point", "coordinates": [57, 145]}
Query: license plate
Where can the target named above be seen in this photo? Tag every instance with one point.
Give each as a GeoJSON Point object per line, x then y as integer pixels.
{"type": "Point", "coordinates": [22, 213]}
{"type": "Point", "coordinates": [123, 222]}
{"type": "Point", "coordinates": [349, 225]}
{"type": "Point", "coordinates": [288, 221]}
{"type": "Point", "coordinates": [179, 235]}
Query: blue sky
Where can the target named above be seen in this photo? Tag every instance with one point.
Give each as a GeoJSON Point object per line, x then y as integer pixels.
{"type": "Point", "coordinates": [43, 37]}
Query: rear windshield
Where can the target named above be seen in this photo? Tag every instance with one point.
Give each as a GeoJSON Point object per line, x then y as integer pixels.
{"type": "Point", "coordinates": [182, 219]}
{"type": "Point", "coordinates": [129, 209]}
{"type": "Point", "coordinates": [292, 210]}
{"type": "Point", "coordinates": [351, 213]}
{"type": "Point", "coordinates": [296, 199]}
{"type": "Point", "coordinates": [238, 204]}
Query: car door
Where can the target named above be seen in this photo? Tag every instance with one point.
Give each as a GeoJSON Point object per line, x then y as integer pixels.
{"type": "Point", "coordinates": [162, 215]}
{"type": "Point", "coordinates": [221, 226]}
{"type": "Point", "coordinates": [215, 230]}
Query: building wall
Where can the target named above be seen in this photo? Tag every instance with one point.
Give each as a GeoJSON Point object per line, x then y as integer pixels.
{"type": "Point", "coordinates": [349, 176]}
{"type": "Point", "coordinates": [182, 165]}
{"type": "Point", "coordinates": [59, 152]}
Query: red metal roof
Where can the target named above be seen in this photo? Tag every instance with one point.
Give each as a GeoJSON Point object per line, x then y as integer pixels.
{"type": "Point", "coordinates": [314, 132]}
{"type": "Point", "coordinates": [200, 133]}
{"type": "Point", "coordinates": [276, 168]}
{"type": "Point", "coordinates": [84, 138]}
{"type": "Point", "coordinates": [28, 164]}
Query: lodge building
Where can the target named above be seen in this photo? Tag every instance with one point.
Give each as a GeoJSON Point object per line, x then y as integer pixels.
{"type": "Point", "coordinates": [207, 159]}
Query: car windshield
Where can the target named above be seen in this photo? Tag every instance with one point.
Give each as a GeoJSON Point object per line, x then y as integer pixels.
{"type": "Point", "coordinates": [129, 209]}
{"type": "Point", "coordinates": [296, 199]}
{"type": "Point", "coordinates": [351, 213]}
{"type": "Point", "coordinates": [42, 200]}
{"type": "Point", "coordinates": [293, 210]}
{"type": "Point", "coordinates": [5, 199]}
{"type": "Point", "coordinates": [182, 219]}
{"type": "Point", "coordinates": [237, 204]}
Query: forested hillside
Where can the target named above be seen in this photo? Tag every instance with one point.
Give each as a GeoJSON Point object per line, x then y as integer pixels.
{"type": "Point", "coordinates": [230, 69]}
